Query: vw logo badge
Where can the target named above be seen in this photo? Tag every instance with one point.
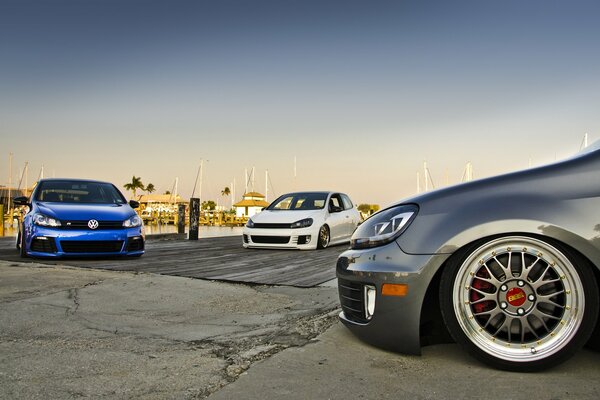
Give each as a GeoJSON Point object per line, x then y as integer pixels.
{"type": "Point", "coordinates": [92, 224]}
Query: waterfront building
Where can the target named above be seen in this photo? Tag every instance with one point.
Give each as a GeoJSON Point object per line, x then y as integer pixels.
{"type": "Point", "coordinates": [251, 203]}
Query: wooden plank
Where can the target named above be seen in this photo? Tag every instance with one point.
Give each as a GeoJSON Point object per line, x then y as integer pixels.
{"type": "Point", "coordinates": [221, 258]}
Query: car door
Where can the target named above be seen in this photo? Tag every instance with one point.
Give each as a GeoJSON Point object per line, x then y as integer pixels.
{"type": "Point", "coordinates": [352, 217]}
{"type": "Point", "coordinates": [337, 218]}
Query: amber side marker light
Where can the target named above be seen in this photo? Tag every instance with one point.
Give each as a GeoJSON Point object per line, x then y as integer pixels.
{"type": "Point", "coordinates": [394, 289]}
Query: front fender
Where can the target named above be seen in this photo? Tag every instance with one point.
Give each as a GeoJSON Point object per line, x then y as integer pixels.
{"type": "Point", "coordinates": [459, 238]}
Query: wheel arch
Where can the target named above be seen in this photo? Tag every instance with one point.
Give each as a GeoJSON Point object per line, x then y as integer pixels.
{"type": "Point", "coordinates": [432, 327]}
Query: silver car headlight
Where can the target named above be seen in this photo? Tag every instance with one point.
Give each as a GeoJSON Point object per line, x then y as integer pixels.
{"type": "Point", "coordinates": [132, 222]}
{"type": "Point", "coordinates": [384, 227]}
{"type": "Point", "coordinates": [303, 223]}
{"type": "Point", "coordinates": [44, 220]}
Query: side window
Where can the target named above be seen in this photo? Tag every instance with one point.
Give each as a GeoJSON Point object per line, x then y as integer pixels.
{"type": "Point", "coordinates": [347, 203]}
{"type": "Point", "coordinates": [335, 201]}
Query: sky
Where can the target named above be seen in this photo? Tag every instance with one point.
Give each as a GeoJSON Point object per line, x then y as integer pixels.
{"type": "Point", "coordinates": [359, 93]}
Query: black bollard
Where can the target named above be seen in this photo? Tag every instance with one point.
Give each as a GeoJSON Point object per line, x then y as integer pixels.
{"type": "Point", "coordinates": [194, 218]}
{"type": "Point", "coordinates": [181, 218]}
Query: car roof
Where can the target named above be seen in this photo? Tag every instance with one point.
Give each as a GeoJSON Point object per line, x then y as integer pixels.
{"type": "Point", "coordinates": [310, 191]}
{"type": "Point", "coordinates": [71, 180]}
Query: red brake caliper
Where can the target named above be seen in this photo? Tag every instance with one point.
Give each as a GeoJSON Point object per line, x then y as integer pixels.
{"type": "Point", "coordinates": [484, 287]}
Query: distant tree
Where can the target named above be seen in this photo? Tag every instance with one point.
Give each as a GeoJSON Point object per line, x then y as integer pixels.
{"type": "Point", "coordinates": [150, 188]}
{"type": "Point", "coordinates": [368, 209]}
{"type": "Point", "coordinates": [363, 208]}
{"type": "Point", "coordinates": [134, 185]}
{"type": "Point", "coordinates": [167, 192]}
{"type": "Point", "coordinates": [209, 205]}
{"type": "Point", "coordinates": [226, 191]}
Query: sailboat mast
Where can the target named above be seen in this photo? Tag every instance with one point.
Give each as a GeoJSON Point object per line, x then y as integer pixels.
{"type": "Point", "coordinates": [267, 186]}
{"type": "Point", "coordinates": [10, 157]}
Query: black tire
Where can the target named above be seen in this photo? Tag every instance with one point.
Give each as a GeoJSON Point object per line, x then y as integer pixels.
{"type": "Point", "coordinates": [519, 303]}
{"type": "Point", "coordinates": [324, 237]}
{"type": "Point", "coordinates": [21, 245]}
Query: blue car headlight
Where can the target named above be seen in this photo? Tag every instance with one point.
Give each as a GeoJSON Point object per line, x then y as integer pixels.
{"type": "Point", "coordinates": [44, 220]}
{"type": "Point", "coordinates": [132, 222]}
{"type": "Point", "coordinates": [384, 227]}
{"type": "Point", "coordinates": [303, 223]}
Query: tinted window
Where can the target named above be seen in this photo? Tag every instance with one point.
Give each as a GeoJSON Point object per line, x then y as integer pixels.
{"type": "Point", "coordinates": [78, 192]}
{"type": "Point", "coordinates": [299, 201]}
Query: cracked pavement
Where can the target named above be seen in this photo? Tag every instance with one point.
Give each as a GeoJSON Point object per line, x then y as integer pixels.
{"type": "Point", "coordinates": [67, 332]}
{"type": "Point", "coordinates": [77, 333]}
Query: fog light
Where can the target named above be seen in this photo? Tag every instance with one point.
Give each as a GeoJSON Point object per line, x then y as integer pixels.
{"type": "Point", "coordinates": [304, 239]}
{"type": "Point", "coordinates": [370, 294]}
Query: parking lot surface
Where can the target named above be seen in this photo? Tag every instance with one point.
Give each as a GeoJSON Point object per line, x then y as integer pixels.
{"type": "Point", "coordinates": [80, 333]}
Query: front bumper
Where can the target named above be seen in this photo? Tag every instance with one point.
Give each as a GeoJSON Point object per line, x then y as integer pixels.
{"type": "Point", "coordinates": [395, 322]}
{"type": "Point", "coordinates": [300, 238]}
{"type": "Point", "coordinates": [51, 242]}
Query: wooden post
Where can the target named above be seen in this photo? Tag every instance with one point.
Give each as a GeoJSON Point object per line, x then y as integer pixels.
{"type": "Point", "coordinates": [181, 218]}
{"type": "Point", "coordinates": [1, 219]}
{"type": "Point", "coordinates": [194, 218]}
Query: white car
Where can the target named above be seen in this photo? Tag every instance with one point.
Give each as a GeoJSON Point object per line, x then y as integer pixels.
{"type": "Point", "coordinates": [303, 220]}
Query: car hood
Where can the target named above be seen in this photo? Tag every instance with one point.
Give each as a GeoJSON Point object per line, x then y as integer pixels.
{"type": "Point", "coordinates": [572, 178]}
{"type": "Point", "coordinates": [284, 217]}
{"type": "Point", "coordinates": [101, 212]}
{"type": "Point", "coordinates": [541, 199]}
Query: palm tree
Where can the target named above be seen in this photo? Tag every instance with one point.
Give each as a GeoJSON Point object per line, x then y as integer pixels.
{"type": "Point", "coordinates": [208, 205]}
{"type": "Point", "coordinates": [226, 191]}
{"type": "Point", "coordinates": [150, 188]}
{"type": "Point", "coordinates": [134, 185]}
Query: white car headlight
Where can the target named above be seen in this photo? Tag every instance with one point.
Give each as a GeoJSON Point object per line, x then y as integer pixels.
{"type": "Point", "coordinates": [303, 223]}
{"type": "Point", "coordinates": [44, 220]}
{"type": "Point", "coordinates": [250, 224]}
{"type": "Point", "coordinates": [132, 222]}
{"type": "Point", "coordinates": [384, 227]}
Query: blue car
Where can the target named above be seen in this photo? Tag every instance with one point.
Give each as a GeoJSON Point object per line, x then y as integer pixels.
{"type": "Point", "coordinates": [72, 217]}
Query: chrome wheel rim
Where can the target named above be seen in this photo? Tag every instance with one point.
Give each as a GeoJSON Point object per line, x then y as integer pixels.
{"type": "Point", "coordinates": [518, 299]}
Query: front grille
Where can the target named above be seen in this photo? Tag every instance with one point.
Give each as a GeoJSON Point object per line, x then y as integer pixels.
{"type": "Point", "coordinates": [272, 226]}
{"type": "Point", "coordinates": [83, 225]}
{"type": "Point", "coordinates": [91, 246]}
{"type": "Point", "coordinates": [135, 244]}
{"type": "Point", "coordinates": [43, 245]}
{"type": "Point", "coordinates": [270, 239]}
{"type": "Point", "coordinates": [352, 299]}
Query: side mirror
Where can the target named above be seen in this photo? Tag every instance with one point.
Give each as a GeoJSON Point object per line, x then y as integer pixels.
{"type": "Point", "coordinates": [134, 204]}
{"type": "Point", "coordinates": [335, 209]}
{"type": "Point", "coordinates": [21, 201]}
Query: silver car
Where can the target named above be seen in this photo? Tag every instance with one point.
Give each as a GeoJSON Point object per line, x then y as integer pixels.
{"type": "Point", "coordinates": [509, 266]}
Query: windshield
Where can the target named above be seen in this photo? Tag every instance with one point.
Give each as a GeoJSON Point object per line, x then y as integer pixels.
{"type": "Point", "coordinates": [299, 201]}
{"type": "Point", "coordinates": [78, 192]}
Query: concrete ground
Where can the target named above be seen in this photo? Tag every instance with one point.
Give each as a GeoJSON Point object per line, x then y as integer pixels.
{"type": "Point", "coordinates": [336, 365]}
{"type": "Point", "coordinates": [68, 333]}
{"type": "Point", "coordinates": [72, 333]}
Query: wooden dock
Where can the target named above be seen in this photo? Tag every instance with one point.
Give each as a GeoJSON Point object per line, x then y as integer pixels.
{"type": "Point", "coordinates": [221, 258]}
